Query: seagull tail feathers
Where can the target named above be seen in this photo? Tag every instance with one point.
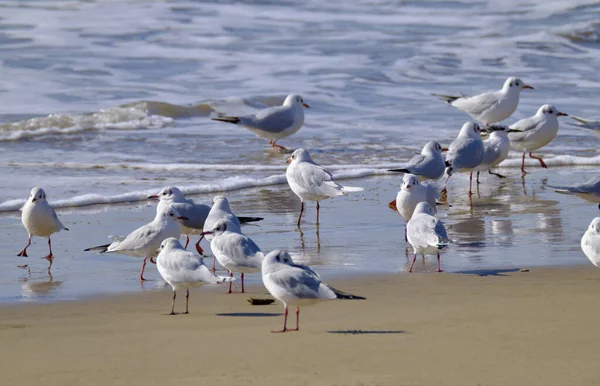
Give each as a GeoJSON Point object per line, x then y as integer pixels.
{"type": "Point", "coordinates": [345, 295]}
{"type": "Point", "coordinates": [399, 170]}
{"type": "Point", "coordinates": [99, 248]}
{"type": "Point", "coordinates": [446, 98]}
{"type": "Point", "coordinates": [234, 120]}
{"type": "Point", "coordinates": [245, 220]}
{"type": "Point", "coordinates": [350, 189]}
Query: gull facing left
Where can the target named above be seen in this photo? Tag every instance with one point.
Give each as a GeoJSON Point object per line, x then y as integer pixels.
{"type": "Point", "coordinates": [296, 285]}
{"type": "Point", "coordinates": [426, 233]}
{"type": "Point", "coordinates": [589, 190]}
{"type": "Point", "coordinates": [312, 182]}
{"type": "Point", "coordinates": [429, 165]}
{"type": "Point", "coordinates": [496, 149]}
{"type": "Point", "coordinates": [182, 269]}
{"type": "Point", "coordinates": [465, 153]}
{"type": "Point", "coordinates": [39, 219]}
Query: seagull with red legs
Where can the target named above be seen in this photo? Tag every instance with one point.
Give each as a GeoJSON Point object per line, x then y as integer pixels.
{"type": "Point", "coordinates": [426, 234]}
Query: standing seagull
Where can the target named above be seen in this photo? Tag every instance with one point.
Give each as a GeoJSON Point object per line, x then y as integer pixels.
{"type": "Point", "coordinates": [312, 182]}
{"type": "Point", "coordinates": [492, 106]}
{"type": "Point", "coordinates": [589, 191]}
{"type": "Point", "coordinates": [496, 149]}
{"type": "Point", "coordinates": [236, 252]}
{"type": "Point", "coordinates": [537, 131]}
{"type": "Point", "coordinates": [39, 219]}
{"type": "Point", "coordinates": [144, 241]}
{"type": "Point", "coordinates": [590, 242]}
{"type": "Point", "coordinates": [296, 285]}
{"type": "Point", "coordinates": [182, 269]}
{"type": "Point", "coordinates": [465, 152]}
{"type": "Point", "coordinates": [426, 233]}
{"type": "Point", "coordinates": [196, 214]}
{"type": "Point", "coordinates": [273, 123]}
{"type": "Point", "coordinates": [429, 165]}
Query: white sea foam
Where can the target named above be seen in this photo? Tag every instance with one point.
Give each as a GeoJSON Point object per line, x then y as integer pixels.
{"type": "Point", "coordinates": [552, 160]}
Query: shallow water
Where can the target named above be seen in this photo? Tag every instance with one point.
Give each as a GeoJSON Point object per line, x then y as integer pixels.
{"type": "Point", "coordinates": [103, 102]}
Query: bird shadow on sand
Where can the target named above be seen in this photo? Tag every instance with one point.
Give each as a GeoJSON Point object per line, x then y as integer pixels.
{"type": "Point", "coordinates": [251, 314]}
{"type": "Point", "coordinates": [367, 332]}
{"type": "Point", "coordinates": [489, 272]}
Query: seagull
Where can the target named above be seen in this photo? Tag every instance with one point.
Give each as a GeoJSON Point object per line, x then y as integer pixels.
{"type": "Point", "coordinates": [182, 269]}
{"type": "Point", "coordinates": [465, 152]}
{"type": "Point", "coordinates": [312, 182]}
{"type": "Point", "coordinates": [411, 193]}
{"type": "Point", "coordinates": [273, 123]}
{"type": "Point", "coordinates": [39, 219]}
{"type": "Point", "coordinates": [590, 124]}
{"type": "Point", "coordinates": [296, 285]}
{"type": "Point", "coordinates": [492, 106]}
{"type": "Point", "coordinates": [589, 190]}
{"type": "Point", "coordinates": [234, 250]}
{"type": "Point", "coordinates": [590, 242]}
{"type": "Point", "coordinates": [144, 241]}
{"type": "Point", "coordinates": [496, 149]}
{"type": "Point", "coordinates": [537, 131]}
{"type": "Point", "coordinates": [426, 233]}
{"type": "Point", "coordinates": [429, 165]}
{"type": "Point", "coordinates": [196, 213]}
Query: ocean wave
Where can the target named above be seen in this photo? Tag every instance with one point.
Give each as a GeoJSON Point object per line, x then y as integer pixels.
{"type": "Point", "coordinates": [552, 160]}
{"type": "Point", "coordinates": [226, 185]}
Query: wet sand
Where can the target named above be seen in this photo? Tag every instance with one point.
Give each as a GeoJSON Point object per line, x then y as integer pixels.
{"type": "Point", "coordinates": [505, 328]}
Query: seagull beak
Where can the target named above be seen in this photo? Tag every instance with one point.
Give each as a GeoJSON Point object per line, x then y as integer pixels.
{"type": "Point", "coordinates": [392, 205]}
{"type": "Point", "coordinates": [562, 114]}
{"type": "Point", "coordinates": [484, 131]}
{"type": "Point", "coordinates": [206, 233]}
{"type": "Point", "coordinates": [444, 149]}
{"type": "Point", "coordinates": [529, 87]}
{"type": "Point", "coordinates": [306, 106]}
{"type": "Point", "coordinates": [182, 218]}
{"type": "Point", "coordinates": [289, 160]}
{"type": "Point", "coordinates": [153, 197]}
{"type": "Point", "coordinates": [33, 199]}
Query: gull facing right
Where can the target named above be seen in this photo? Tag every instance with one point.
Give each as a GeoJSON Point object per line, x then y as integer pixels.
{"type": "Point", "coordinates": [312, 182]}
{"type": "Point", "coordinates": [273, 123]}
{"type": "Point", "coordinates": [429, 165]}
{"type": "Point", "coordinates": [536, 132]}
{"type": "Point", "coordinates": [492, 106]}
{"type": "Point", "coordinates": [426, 234]}
{"type": "Point", "coordinates": [39, 219]}
{"type": "Point", "coordinates": [590, 242]}
{"type": "Point", "coordinates": [465, 153]}
{"type": "Point", "coordinates": [296, 285]}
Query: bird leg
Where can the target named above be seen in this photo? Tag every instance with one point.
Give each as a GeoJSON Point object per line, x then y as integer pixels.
{"type": "Point", "coordinates": [495, 174]}
{"type": "Point", "coordinates": [297, 320]}
{"type": "Point", "coordinates": [49, 256]}
{"type": "Point", "coordinates": [187, 298]}
{"type": "Point", "coordinates": [23, 253]}
{"type": "Point", "coordinates": [200, 251]}
{"type": "Point", "coordinates": [230, 282]}
{"type": "Point", "coordinates": [187, 241]}
{"type": "Point", "coordinates": [470, 183]}
{"type": "Point", "coordinates": [477, 178]}
{"type": "Point", "coordinates": [413, 262]}
{"type": "Point", "coordinates": [142, 273]}
{"type": "Point", "coordinates": [301, 211]}
{"type": "Point", "coordinates": [539, 159]}
{"type": "Point", "coordinates": [318, 212]}
{"type": "Point", "coordinates": [285, 314]}
{"type": "Point", "coordinates": [274, 145]}
{"type": "Point", "coordinates": [523, 165]}
{"type": "Point", "coordinates": [439, 267]}
{"type": "Point", "coordinates": [242, 276]}
{"type": "Point", "coordinates": [173, 303]}
{"type": "Point", "coordinates": [405, 232]}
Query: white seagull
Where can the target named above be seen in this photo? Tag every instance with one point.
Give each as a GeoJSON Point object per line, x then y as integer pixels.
{"type": "Point", "coordinates": [537, 131]}
{"type": "Point", "coordinates": [235, 251]}
{"type": "Point", "coordinates": [496, 149]}
{"type": "Point", "coordinates": [312, 182]}
{"type": "Point", "coordinates": [429, 165]}
{"type": "Point", "coordinates": [196, 214]}
{"type": "Point", "coordinates": [465, 153]}
{"type": "Point", "coordinates": [273, 123]}
{"type": "Point", "coordinates": [589, 190]}
{"type": "Point", "coordinates": [590, 242]}
{"type": "Point", "coordinates": [296, 285]}
{"type": "Point", "coordinates": [492, 106]}
{"type": "Point", "coordinates": [182, 269]}
{"type": "Point", "coordinates": [39, 219]}
{"type": "Point", "coordinates": [145, 241]}
{"type": "Point", "coordinates": [426, 233]}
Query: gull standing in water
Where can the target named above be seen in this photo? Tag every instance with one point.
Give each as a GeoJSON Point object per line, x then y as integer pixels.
{"type": "Point", "coordinates": [39, 219]}
{"type": "Point", "coordinates": [182, 269]}
{"type": "Point", "coordinates": [589, 190]}
{"type": "Point", "coordinates": [492, 106]}
{"type": "Point", "coordinates": [145, 241]}
{"type": "Point", "coordinates": [273, 123]}
{"type": "Point", "coordinates": [426, 233]}
{"type": "Point", "coordinates": [536, 132]}
{"type": "Point", "coordinates": [235, 251]}
{"type": "Point", "coordinates": [429, 165]}
{"type": "Point", "coordinates": [296, 285]}
{"type": "Point", "coordinates": [312, 182]}
{"type": "Point", "coordinates": [465, 152]}
{"type": "Point", "coordinates": [590, 242]}
{"type": "Point", "coordinates": [496, 149]}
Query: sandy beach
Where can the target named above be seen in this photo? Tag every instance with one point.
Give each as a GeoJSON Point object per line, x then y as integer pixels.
{"type": "Point", "coordinates": [514, 328]}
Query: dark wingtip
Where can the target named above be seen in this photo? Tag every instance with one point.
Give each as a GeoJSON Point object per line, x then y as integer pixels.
{"type": "Point", "coordinates": [398, 170]}
{"type": "Point", "coordinates": [244, 220]}
{"type": "Point", "coordinates": [447, 163]}
{"type": "Point", "coordinates": [346, 296]}
{"type": "Point", "coordinates": [66, 229]}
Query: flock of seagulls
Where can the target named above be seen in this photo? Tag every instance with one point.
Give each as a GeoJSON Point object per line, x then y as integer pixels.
{"type": "Point", "coordinates": [298, 285]}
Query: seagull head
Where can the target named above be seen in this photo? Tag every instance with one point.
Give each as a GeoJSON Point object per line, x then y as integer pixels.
{"type": "Point", "coordinates": [170, 243]}
{"type": "Point", "coordinates": [550, 111]}
{"type": "Point", "coordinates": [37, 194]}
{"type": "Point", "coordinates": [295, 100]}
{"type": "Point", "coordinates": [409, 181]}
{"type": "Point", "coordinates": [471, 130]}
{"type": "Point", "coordinates": [169, 212]}
{"type": "Point", "coordinates": [514, 84]}
{"type": "Point", "coordinates": [278, 256]}
{"type": "Point", "coordinates": [595, 225]}
{"type": "Point", "coordinates": [221, 202]}
{"type": "Point", "coordinates": [423, 207]}
{"type": "Point", "coordinates": [168, 193]}
{"type": "Point", "coordinates": [432, 147]}
{"type": "Point", "coordinates": [218, 229]}
{"type": "Point", "coordinates": [299, 155]}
